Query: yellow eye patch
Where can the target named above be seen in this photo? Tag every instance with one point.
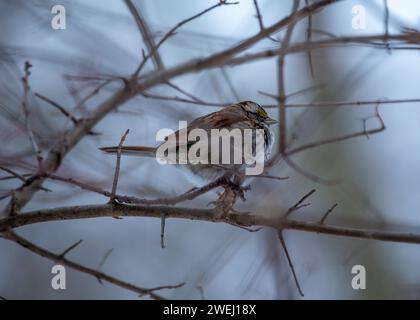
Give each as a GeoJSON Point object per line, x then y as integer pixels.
{"type": "Point", "coordinates": [262, 112]}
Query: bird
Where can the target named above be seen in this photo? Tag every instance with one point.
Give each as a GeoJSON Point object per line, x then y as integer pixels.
{"type": "Point", "coordinates": [241, 115]}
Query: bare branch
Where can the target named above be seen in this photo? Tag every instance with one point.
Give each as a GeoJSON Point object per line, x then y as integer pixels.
{"type": "Point", "coordinates": [189, 195]}
{"type": "Point", "coordinates": [345, 103]}
{"type": "Point", "coordinates": [12, 236]}
{"type": "Point", "coordinates": [187, 94]}
{"type": "Point", "coordinates": [258, 15]}
{"type": "Point", "coordinates": [260, 19]}
{"type": "Point", "coordinates": [290, 95]}
{"type": "Point", "coordinates": [14, 177]}
{"type": "Point", "coordinates": [386, 17]}
{"type": "Point", "coordinates": [73, 246]}
{"type": "Point", "coordinates": [177, 99]}
{"type": "Point", "coordinates": [299, 204]}
{"type": "Point", "coordinates": [341, 138]}
{"type": "Point", "coordinates": [146, 34]}
{"type": "Point", "coordinates": [325, 216]}
{"type": "Point", "coordinates": [57, 106]}
{"type": "Point", "coordinates": [309, 38]}
{"type": "Point", "coordinates": [309, 175]}
{"type": "Point", "coordinates": [289, 260]}
{"type": "Point", "coordinates": [19, 176]}
{"type": "Point", "coordinates": [410, 37]}
{"type": "Point", "coordinates": [277, 222]}
{"type": "Point", "coordinates": [61, 109]}
{"type": "Point", "coordinates": [26, 89]}
{"type": "Point", "coordinates": [281, 80]}
{"type": "Point", "coordinates": [230, 84]}
{"type": "Point", "coordinates": [105, 258]}
{"type": "Point", "coordinates": [172, 32]}
{"type": "Point", "coordinates": [117, 168]}
{"type": "Point", "coordinates": [13, 173]}
{"type": "Point", "coordinates": [223, 58]}
{"type": "Point", "coordinates": [305, 90]}
{"type": "Point", "coordinates": [95, 91]}
{"type": "Point", "coordinates": [162, 230]}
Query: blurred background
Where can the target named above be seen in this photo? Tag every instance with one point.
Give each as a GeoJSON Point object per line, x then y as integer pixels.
{"type": "Point", "coordinates": [376, 178]}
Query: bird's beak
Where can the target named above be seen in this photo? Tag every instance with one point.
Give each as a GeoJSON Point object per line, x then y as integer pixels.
{"type": "Point", "coordinates": [269, 121]}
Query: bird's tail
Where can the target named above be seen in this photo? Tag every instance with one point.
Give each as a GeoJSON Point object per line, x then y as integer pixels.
{"type": "Point", "coordinates": [132, 150]}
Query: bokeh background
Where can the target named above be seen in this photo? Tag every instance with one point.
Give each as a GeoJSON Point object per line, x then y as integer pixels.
{"type": "Point", "coordinates": [378, 177]}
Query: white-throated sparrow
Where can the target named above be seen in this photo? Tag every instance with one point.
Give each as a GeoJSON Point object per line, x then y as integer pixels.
{"type": "Point", "coordinates": [243, 116]}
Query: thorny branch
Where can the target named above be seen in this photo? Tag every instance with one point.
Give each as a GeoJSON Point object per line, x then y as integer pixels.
{"type": "Point", "coordinates": [277, 221]}
{"type": "Point", "coordinates": [100, 276]}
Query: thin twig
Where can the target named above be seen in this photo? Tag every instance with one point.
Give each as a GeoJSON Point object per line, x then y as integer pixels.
{"type": "Point", "coordinates": [252, 230]}
{"type": "Point", "coordinates": [411, 37]}
{"type": "Point", "coordinates": [146, 33]}
{"type": "Point", "coordinates": [162, 230]}
{"type": "Point", "coordinates": [344, 103]}
{"type": "Point", "coordinates": [340, 138]}
{"type": "Point", "coordinates": [268, 176]}
{"type": "Point", "coordinates": [20, 177]}
{"type": "Point", "coordinates": [172, 32]}
{"type": "Point", "coordinates": [13, 173]}
{"type": "Point", "coordinates": [62, 109]}
{"type": "Point", "coordinates": [299, 204]}
{"type": "Point", "coordinates": [73, 246]}
{"type": "Point", "coordinates": [183, 100]}
{"type": "Point", "coordinates": [95, 91]}
{"type": "Point", "coordinates": [305, 90]}
{"type": "Point", "coordinates": [189, 195]}
{"type": "Point", "coordinates": [290, 95]}
{"type": "Point", "coordinates": [325, 216]}
{"type": "Point", "coordinates": [260, 19]}
{"type": "Point", "coordinates": [309, 38]}
{"type": "Point", "coordinates": [258, 15]}
{"type": "Point", "coordinates": [117, 167]}
{"type": "Point", "coordinates": [281, 80]}
{"type": "Point", "coordinates": [289, 260]}
{"type": "Point", "coordinates": [386, 17]}
{"type": "Point", "coordinates": [26, 89]}
{"type": "Point", "coordinates": [230, 84]}
{"type": "Point", "coordinates": [14, 177]}
{"type": "Point", "coordinates": [105, 258]}
{"type": "Point", "coordinates": [185, 93]}
{"type": "Point", "coordinates": [309, 175]}
{"type": "Point", "coordinates": [57, 106]}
